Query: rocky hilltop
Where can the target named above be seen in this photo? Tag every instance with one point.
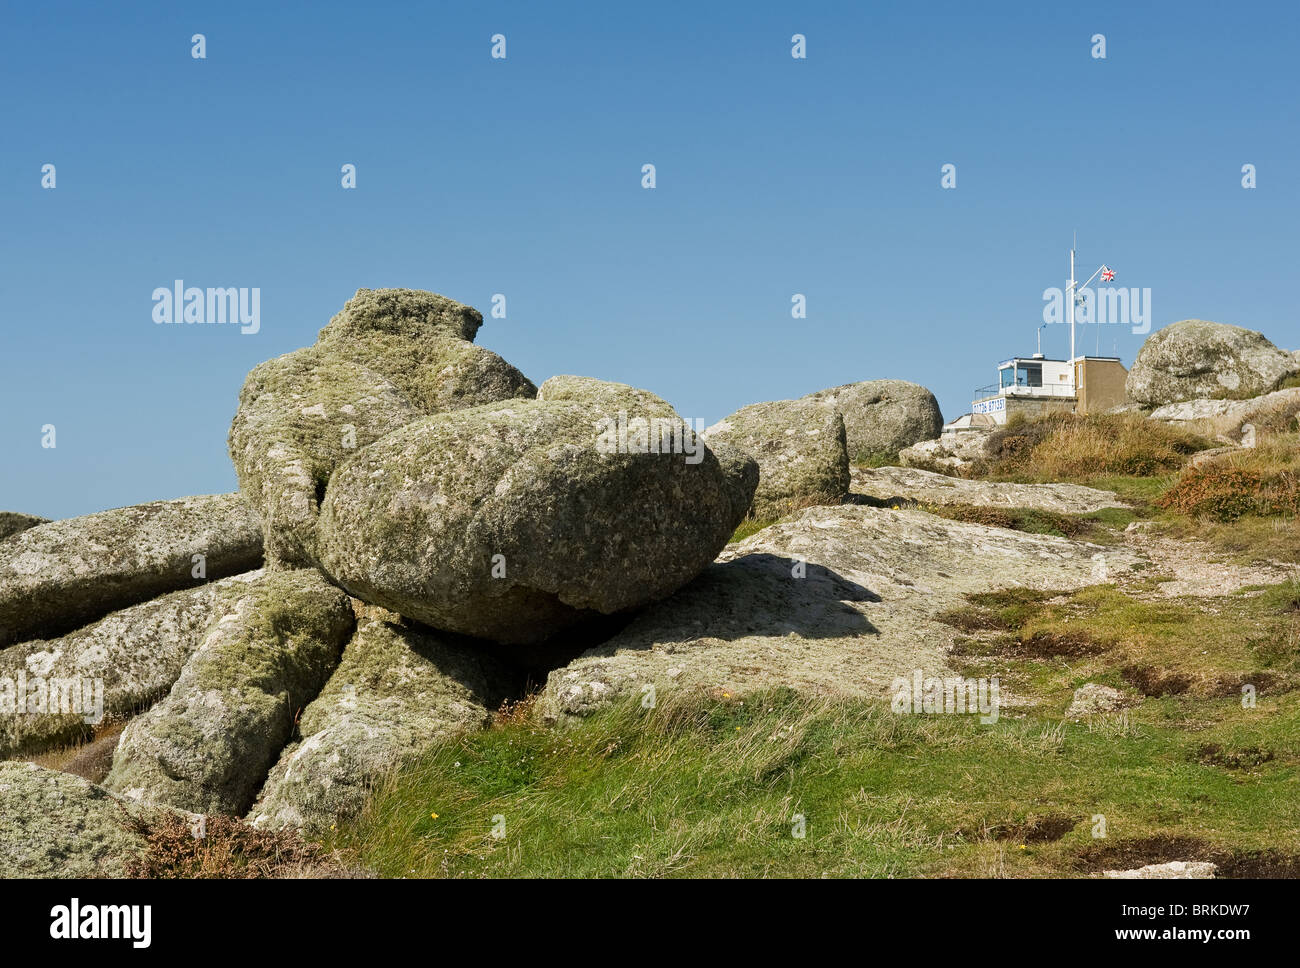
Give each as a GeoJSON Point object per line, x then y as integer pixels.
{"type": "Point", "coordinates": [421, 532]}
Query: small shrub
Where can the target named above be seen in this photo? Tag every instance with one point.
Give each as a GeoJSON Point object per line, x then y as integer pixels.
{"type": "Point", "coordinates": [1227, 493]}
{"type": "Point", "coordinates": [229, 848]}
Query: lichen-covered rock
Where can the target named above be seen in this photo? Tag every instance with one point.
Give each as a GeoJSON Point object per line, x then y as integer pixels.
{"type": "Point", "coordinates": [54, 824]}
{"type": "Point", "coordinates": [1197, 358]}
{"type": "Point", "coordinates": [514, 520]}
{"type": "Point", "coordinates": [389, 357]}
{"type": "Point", "coordinates": [299, 416]}
{"type": "Point", "coordinates": [397, 692]}
{"type": "Point", "coordinates": [208, 745]}
{"type": "Point", "coordinates": [838, 600]}
{"type": "Point", "coordinates": [1227, 416]}
{"type": "Point", "coordinates": [949, 452]}
{"type": "Point", "coordinates": [12, 522]}
{"type": "Point", "coordinates": [605, 398]}
{"type": "Point", "coordinates": [414, 313]}
{"type": "Point", "coordinates": [800, 450]}
{"type": "Point", "coordinates": [127, 661]}
{"type": "Point", "coordinates": [881, 417]}
{"type": "Point", "coordinates": [906, 484]}
{"type": "Point", "coordinates": [608, 401]}
{"type": "Point", "coordinates": [57, 576]}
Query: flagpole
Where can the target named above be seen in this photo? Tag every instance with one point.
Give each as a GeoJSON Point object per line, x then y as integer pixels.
{"type": "Point", "coordinates": [1072, 312]}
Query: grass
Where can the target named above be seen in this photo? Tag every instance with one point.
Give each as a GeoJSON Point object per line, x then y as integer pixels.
{"type": "Point", "coordinates": [706, 786]}
{"type": "Point", "coordinates": [751, 526]}
{"type": "Point", "coordinates": [1244, 504]}
{"type": "Point", "coordinates": [709, 785]}
{"type": "Point", "coordinates": [1249, 540]}
{"type": "Point", "coordinates": [881, 458]}
{"type": "Point", "coordinates": [1099, 526]}
{"type": "Point", "coordinates": [1069, 447]}
{"type": "Point", "coordinates": [1153, 646]}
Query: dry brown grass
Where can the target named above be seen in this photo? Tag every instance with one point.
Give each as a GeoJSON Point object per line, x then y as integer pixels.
{"type": "Point", "coordinates": [1071, 447]}
{"type": "Point", "coordinates": [89, 760]}
{"type": "Point", "coordinates": [228, 849]}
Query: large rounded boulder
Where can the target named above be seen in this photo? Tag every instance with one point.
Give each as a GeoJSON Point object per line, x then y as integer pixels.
{"type": "Point", "coordinates": [800, 450]}
{"type": "Point", "coordinates": [881, 417]}
{"type": "Point", "coordinates": [390, 357]}
{"type": "Point", "coordinates": [514, 520]}
{"type": "Point", "coordinates": [1196, 358]}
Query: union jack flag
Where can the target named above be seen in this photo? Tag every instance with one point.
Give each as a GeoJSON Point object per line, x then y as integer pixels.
{"type": "Point", "coordinates": [1107, 273]}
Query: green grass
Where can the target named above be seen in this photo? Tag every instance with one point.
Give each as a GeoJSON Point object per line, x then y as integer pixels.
{"type": "Point", "coordinates": [711, 785]}
{"type": "Point", "coordinates": [882, 458]}
{"type": "Point", "coordinates": [751, 526]}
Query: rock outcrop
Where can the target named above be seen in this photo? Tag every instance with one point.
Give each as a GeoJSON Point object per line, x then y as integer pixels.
{"type": "Point", "coordinates": [881, 417]}
{"type": "Point", "coordinates": [904, 485]}
{"type": "Point", "coordinates": [800, 449]}
{"type": "Point", "coordinates": [207, 747]}
{"type": "Point", "coordinates": [397, 692]}
{"type": "Point", "coordinates": [838, 600]}
{"type": "Point", "coordinates": [1197, 358]}
{"type": "Point", "coordinates": [54, 824]}
{"type": "Point", "coordinates": [56, 577]}
{"type": "Point", "coordinates": [1227, 416]}
{"type": "Point", "coordinates": [135, 654]}
{"type": "Point", "coordinates": [947, 453]}
{"type": "Point", "coordinates": [390, 357]}
{"type": "Point", "coordinates": [514, 520]}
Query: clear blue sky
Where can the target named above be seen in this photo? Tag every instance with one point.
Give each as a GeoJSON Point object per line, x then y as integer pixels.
{"type": "Point", "coordinates": [522, 176]}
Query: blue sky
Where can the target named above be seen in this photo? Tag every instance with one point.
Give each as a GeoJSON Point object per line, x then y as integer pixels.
{"type": "Point", "coordinates": [476, 176]}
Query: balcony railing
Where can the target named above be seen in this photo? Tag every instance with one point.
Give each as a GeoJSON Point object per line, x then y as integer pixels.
{"type": "Point", "coordinates": [1024, 390]}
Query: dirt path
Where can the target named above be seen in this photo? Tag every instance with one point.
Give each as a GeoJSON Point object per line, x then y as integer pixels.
{"type": "Point", "coordinates": [1193, 568]}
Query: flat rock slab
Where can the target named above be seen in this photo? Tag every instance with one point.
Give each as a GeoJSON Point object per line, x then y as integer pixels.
{"type": "Point", "coordinates": [135, 655]}
{"type": "Point", "coordinates": [926, 487]}
{"type": "Point", "coordinates": [58, 576]}
{"type": "Point", "coordinates": [396, 693]}
{"type": "Point", "coordinates": [208, 746]}
{"type": "Point", "coordinates": [1226, 415]}
{"type": "Point", "coordinates": [55, 824]}
{"type": "Point", "coordinates": [863, 614]}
